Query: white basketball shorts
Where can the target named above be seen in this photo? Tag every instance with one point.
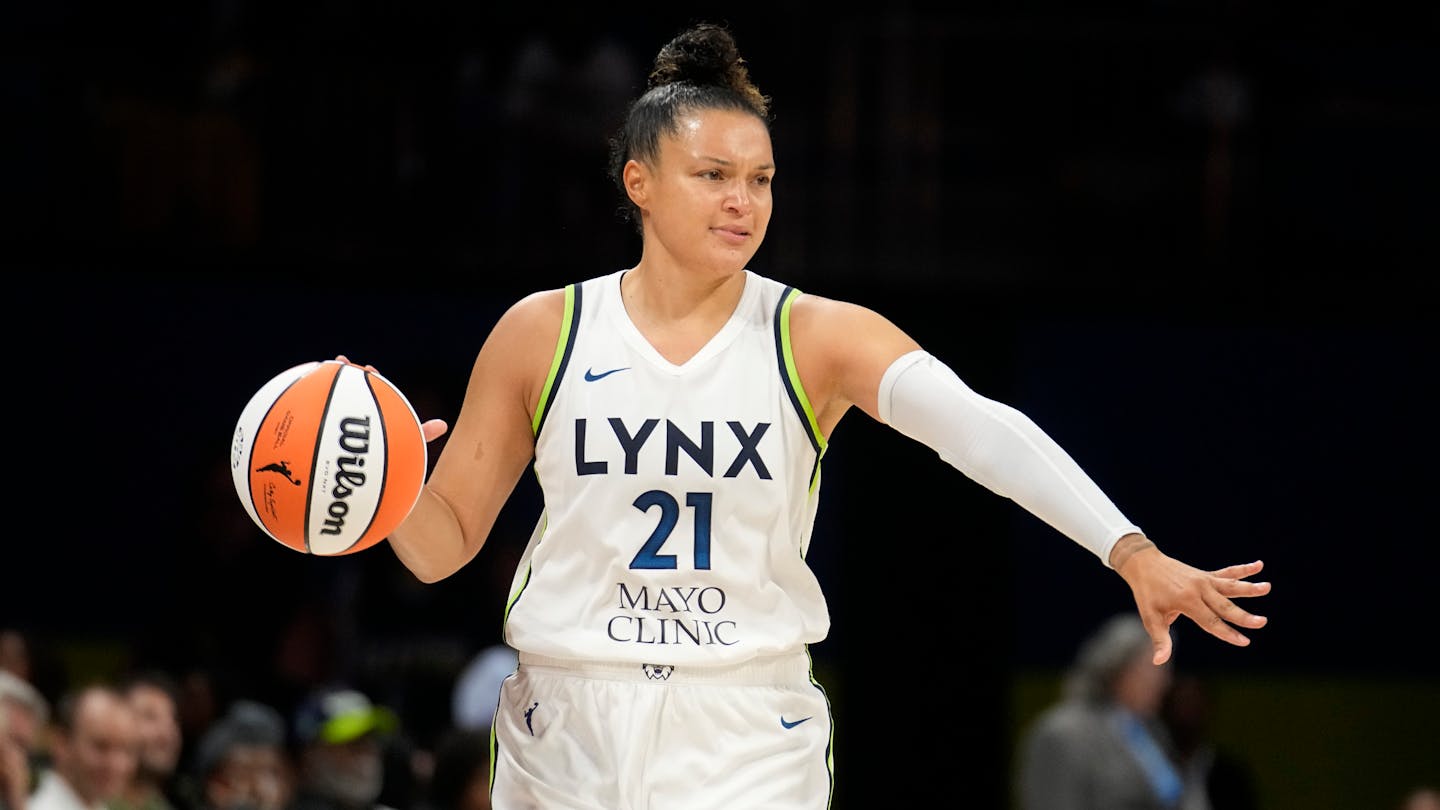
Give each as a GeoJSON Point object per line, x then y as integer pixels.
{"type": "Point", "coordinates": [619, 736]}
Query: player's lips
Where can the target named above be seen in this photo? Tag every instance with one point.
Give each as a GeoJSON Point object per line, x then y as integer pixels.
{"type": "Point", "coordinates": [732, 233]}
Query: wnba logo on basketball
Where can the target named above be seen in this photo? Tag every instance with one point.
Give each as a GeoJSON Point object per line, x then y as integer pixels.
{"type": "Point", "coordinates": [355, 440]}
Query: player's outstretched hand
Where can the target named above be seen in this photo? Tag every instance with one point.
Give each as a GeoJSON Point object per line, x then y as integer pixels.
{"type": "Point", "coordinates": [1166, 588]}
{"type": "Point", "coordinates": [431, 429]}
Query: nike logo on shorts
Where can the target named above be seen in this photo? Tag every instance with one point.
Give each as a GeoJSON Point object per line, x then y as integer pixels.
{"type": "Point", "coordinates": [591, 376]}
{"type": "Point", "coordinates": [792, 723]}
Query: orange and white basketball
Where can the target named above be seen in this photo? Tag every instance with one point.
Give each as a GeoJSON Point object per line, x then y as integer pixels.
{"type": "Point", "coordinates": [328, 458]}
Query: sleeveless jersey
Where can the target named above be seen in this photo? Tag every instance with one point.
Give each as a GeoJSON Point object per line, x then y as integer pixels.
{"type": "Point", "coordinates": [679, 500]}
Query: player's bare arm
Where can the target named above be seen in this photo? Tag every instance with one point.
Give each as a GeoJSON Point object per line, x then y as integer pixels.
{"type": "Point", "coordinates": [490, 446]}
{"type": "Point", "coordinates": [842, 351]}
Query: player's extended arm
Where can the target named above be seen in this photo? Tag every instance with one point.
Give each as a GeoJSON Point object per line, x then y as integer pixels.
{"type": "Point", "coordinates": [490, 447]}
{"type": "Point", "coordinates": [999, 447]}
{"type": "Point", "coordinates": [1005, 451]}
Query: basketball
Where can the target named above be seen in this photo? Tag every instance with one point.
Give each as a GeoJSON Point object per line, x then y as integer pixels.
{"type": "Point", "coordinates": [328, 458]}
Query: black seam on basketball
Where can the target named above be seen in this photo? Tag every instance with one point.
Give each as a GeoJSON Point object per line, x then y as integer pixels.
{"type": "Point", "coordinates": [315, 457]}
{"type": "Point", "coordinates": [384, 456]}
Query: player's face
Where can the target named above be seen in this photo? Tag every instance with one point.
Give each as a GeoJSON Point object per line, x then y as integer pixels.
{"type": "Point", "coordinates": [709, 197]}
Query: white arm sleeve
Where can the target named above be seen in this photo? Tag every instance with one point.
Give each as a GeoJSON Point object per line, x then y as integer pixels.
{"type": "Point", "coordinates": [1000, 448]}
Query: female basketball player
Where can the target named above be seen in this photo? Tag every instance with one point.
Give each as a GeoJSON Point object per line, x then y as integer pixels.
{"type": "Point", "coordinates": [676, 413]}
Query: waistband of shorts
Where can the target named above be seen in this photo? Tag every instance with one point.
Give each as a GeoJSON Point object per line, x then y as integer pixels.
{"type": "Point", "coordinates": [787, 668]}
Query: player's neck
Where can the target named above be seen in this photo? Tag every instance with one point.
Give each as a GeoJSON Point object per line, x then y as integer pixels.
{"type": "Point", "coordinates": [678, 314]}
{"type": "Point", "coordinates": [667, 297]}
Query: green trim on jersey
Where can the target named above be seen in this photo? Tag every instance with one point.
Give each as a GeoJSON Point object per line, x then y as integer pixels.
{"type": "Point", "coordinates": [829, 710]}
{"type": "Point", "coordinates": [558, 362]}
{"type": "Point", "coordinates": [529, 569]}
{"type": "Point", "coordinates": [795, 385]}
{"type": "Point", "coordinates": [515, 597]}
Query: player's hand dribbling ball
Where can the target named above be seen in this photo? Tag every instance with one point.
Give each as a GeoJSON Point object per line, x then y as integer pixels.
{"type": "Point", "coordinates": [328, 458]}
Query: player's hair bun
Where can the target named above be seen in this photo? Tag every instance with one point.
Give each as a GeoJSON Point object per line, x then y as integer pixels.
{"type": "Point", "coordinates": [706, 55]}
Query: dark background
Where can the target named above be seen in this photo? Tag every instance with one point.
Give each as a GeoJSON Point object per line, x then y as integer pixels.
{"type": "Point", "coordinates": [1195, 242]}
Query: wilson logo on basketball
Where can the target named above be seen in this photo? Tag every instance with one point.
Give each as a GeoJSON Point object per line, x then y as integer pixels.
{"type": "Point", "coordinates": [355, 440]}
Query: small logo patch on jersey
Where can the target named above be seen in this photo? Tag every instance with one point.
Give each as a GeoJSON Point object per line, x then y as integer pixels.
{"type": "Point", "coordinates": [528, 713]}
{"type": "Point", "coordinates": [792, 723]}
{"type": "Point", "coordinates": [657, 672]}
{"type": "Point", "coordinates": [591, 376]}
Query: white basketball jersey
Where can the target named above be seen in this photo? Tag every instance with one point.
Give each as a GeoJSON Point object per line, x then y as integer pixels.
{"type": "Point", "coordinates": [679, 499]}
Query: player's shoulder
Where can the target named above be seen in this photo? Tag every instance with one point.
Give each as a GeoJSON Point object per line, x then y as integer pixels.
{"type": "Point", "coordinates": [542, 310]}
{"type": "Point", "coordinates": [831, 316]}
{"type": "Point", "coordinates": [552, 303]}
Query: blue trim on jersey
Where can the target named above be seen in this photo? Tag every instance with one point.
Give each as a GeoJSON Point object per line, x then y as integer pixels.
{"type": "Point", "coordinates": [564, 359]}
{"type": "Point", "coordinates": [789, 384]}
{"type": "Point", "coordinates": [785, 372]}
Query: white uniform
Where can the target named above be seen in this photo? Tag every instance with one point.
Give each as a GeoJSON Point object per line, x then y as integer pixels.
{"type": "Point", "coordinates": [667, 575]}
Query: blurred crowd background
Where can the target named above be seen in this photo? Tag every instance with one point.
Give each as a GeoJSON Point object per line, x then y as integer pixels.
{"type": "Point", "coordinates": [1195, 242]}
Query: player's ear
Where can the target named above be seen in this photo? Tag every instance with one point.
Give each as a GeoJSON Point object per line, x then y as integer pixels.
{"type": "Point", "coordinates": [637, 178]}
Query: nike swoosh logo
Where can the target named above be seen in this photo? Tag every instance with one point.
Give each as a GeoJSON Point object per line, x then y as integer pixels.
{"type": "Point", "coordinates": [591, 376]}
{"type": "Point", "coordinates": [792, 723]}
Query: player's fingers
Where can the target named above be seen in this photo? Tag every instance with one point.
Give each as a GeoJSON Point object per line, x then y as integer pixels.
{"type": "Point", "coordinates": [1220, 618]}
{"type": "Point", "coordinates": [1241, 571]}
{"type": "Point", "coordinates": [343, 359]}
{"type": "Point", "coordinates": [1232, 613]}
{"type": "Point", "coordinates": [433, 429]}
{"type": "Point", "coordinates": [1159, 629]}
{"type": "Point", "coordinates": [1235, 588]}
{"type": "Point", "coordinates": [1216, 626]}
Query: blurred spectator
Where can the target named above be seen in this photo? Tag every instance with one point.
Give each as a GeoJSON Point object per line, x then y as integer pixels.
{"type": "Point", "coordinates": [461, 780]}
{"type": "Point", "coordinates": [30, 659]}
{"type": "Point", "coordinates": [201, 699]}
{"type": "Point", "coordinates": [15, 653]}
{"type": "Point", "coordinates": [154, 696]}
{"type": "Point", "coordinates": [92, 750]}
{"type": "Point", "coordinates": [14, 772]}
{"type": "Point", "coordinates": [477, 689]}
{"type": "Point", "coordinates": [241, 762]}
{"type": "Point", "coordinates": [339, 736]}
{"type": "Point", "coordinates": [1421, 798]}
{"type": "Point", "coordinates": [23, 715]}
{"type": "Point", "coordinates": [1216, 778]}
{"type": "Point", "coordinates": [1102, 746]}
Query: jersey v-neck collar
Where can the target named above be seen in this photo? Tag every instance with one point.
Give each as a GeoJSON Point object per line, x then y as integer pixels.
{"type": "Point", "coordinates": [717, 342]}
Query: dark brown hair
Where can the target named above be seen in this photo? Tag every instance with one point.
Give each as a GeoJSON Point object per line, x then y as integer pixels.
{"type": "Point", "coordinates": [700, 69]}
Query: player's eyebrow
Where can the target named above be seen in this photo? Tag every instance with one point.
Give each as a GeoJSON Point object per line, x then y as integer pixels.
{"type": "Point", "coordinates": [764, 167]}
